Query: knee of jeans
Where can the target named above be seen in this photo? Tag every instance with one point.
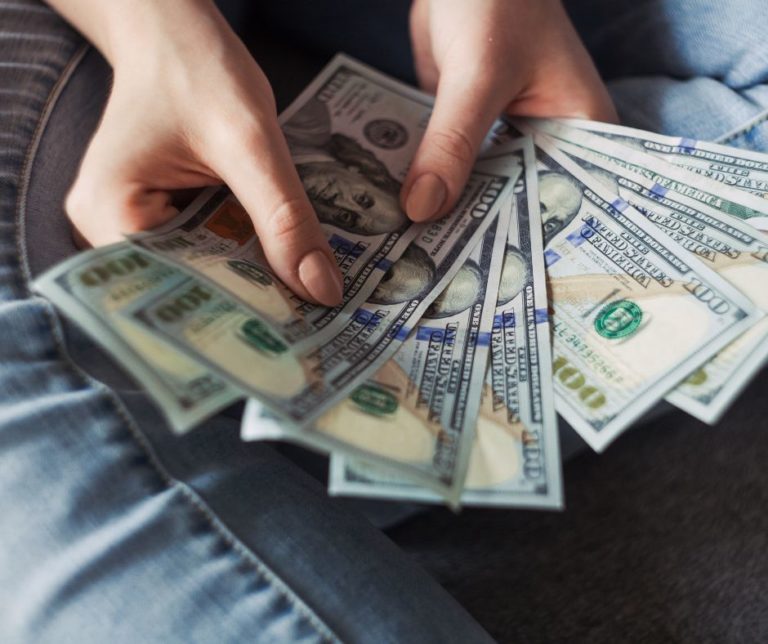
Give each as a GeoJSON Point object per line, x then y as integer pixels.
{"type": "Point", "coordinates": [724, 41]}
{"type": "Point", "coordinates": [731, 38]}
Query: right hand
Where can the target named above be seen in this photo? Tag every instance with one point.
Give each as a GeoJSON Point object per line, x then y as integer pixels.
{"type": "Point", "coordinates": [189, 108]}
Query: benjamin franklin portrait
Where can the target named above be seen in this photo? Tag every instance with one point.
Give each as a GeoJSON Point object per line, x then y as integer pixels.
{"type": "Point", "coordinates": [514, 275]}
{"type": "Point", "coordinates": [462, 291]}
{"type": "Point", "coordinates": [408, 278]}
{"type": "Point", "coordinates": [560, 198]}
{"type": "Point", "coordinates": [347, 185]}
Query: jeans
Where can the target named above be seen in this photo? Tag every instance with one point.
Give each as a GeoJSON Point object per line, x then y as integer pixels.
{"type": "Point", "coordinates": [112, 528]}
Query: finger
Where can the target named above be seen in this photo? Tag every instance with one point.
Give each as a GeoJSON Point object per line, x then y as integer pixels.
{"type": "Point", "coordinates": [580, 94]}
{"type": "Point", "coordinates": [566, 84]}
{"type": "Point", "coordinates": [465, 109]}
{"type": "Point", "coordinates": [120, 185]}
{"type": "Point", "coordinates": [423, 58]}
{"type": "Point", "coordinates": [102, 211]}
{"type": "Point", "coordinates": [264, 179]}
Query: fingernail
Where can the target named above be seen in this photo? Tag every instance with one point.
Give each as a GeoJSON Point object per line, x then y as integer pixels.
{"type": "Point", "coordinates": [426, 197]}
{"type": "Point", "coordinates": [321, 278]}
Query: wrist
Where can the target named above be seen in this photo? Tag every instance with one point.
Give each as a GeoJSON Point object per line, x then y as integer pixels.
{"type": "Point", "coordinates": [135, 30]}
{"type": "Point", "coordinates": [123, 30]}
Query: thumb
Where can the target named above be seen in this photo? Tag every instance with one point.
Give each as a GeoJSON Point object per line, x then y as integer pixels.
{"type": "Point", "coordinates": [464, 112]}
{"type": "Point", "coordinates": [264, 179]}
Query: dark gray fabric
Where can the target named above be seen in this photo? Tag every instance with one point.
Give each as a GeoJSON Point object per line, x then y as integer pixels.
{"type": "Point", "coordinates": [664, 539]}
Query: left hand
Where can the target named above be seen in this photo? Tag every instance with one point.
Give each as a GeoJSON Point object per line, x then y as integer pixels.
{"type": "Point", "coordinates": [482, 58]}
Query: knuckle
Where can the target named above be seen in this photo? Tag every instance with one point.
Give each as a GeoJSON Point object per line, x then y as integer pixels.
{"type": "Point", "coordinates": [454, 144]}
{"type": "Point", "coordinates": [290, 223]}
{"type": "Point", "coordinates": [252, 124]}
{"type": "Point", "coordinates": [242, 134]}
{"type": "Point", "coordinates": [76, 203]}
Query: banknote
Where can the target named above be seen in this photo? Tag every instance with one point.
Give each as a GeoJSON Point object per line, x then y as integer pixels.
{"type": "Point", "coordinates": [716, 189]}
{"type": "Point", "coordinates": [93, 287]}
{"type": "Point", "coordinates": [352, 134]}
{"type": "Point", "coordinates": [634, 312]}
{"type": "Point", "coordinates": [738, 252]}
{"type": "Point", "coordinates": [737, 167]}
{"type": "Point", "coordinates": [515, 460]}
{"type": "Point", "coordinates": [299, 383]}
{"type": "Point", "coordinates": [417, 414]}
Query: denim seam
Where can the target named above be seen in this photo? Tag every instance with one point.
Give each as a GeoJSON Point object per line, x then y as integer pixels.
{"type": "Point", "coordinates": [29, 158]}
{"type": "Point", "coordinates": [195, 501]}
{"type": "Point", "coordinates": [753, 123]}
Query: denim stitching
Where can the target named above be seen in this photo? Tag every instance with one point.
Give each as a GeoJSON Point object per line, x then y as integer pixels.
{"type": "Point", "coordinates": [29, 158]}
{"type": "Point", "coordinates": [751, 125]}
{"type": "Point", "coordinates": [195, 501]}
{"type": "Point", "coordinates": [188, 493]}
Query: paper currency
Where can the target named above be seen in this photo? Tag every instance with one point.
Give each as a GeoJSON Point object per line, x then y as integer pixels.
{"type": "Point", "coordinates": [300, 383]}
{"type": "Point", "coordinates": [729, 246]}
{"type": "Point", "coordinates": [515, 460]}
{"type": "Point", "coordinates": [417, 414]}
{"type": "Point", "coordinates": [676, 170]}
{"type": "Point", "coordinates": [737, 167]}
{"type": "Point", "coordinates": [435, 378]}
{"type": "Point", "coordinates": [352, 135]}
{"type": "Point", "coordinates": [634, 312]}
{"type": "Point", "coordinates": [93, 288]}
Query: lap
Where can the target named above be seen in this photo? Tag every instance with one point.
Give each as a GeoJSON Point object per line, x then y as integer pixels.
{"type": "Point", "coordinates": [113, 527]}
{"type": "Point", "coordinates": [114, 520]}
{"type": "Point", "coordinates": [697, 69]}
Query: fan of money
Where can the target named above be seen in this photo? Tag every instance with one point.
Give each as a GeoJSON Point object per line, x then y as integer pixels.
{"type": "Point", "coordinates": [589, 271]}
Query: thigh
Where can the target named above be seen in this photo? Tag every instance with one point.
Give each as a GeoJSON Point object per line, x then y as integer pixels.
{"type": "Point", "coordinates": [112, 527]}
{"type": "Point", "coordinates": [697, 68]}
{"type": "Point", "coordinates": [724, 40]}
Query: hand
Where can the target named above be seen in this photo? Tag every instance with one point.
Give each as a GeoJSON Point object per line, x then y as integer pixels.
{"type": "Point", "coordinates": [190, 107]}
{"type": "Point", "coordinates": [483, 58]}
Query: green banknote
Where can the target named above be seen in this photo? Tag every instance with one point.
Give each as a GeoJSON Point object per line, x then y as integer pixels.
{"type": "Point", "coordinates": [717, 189]}
{"type": "Point", "coordinates": [299, 382]}
{"type": "Point", "coordinates": [743, 169]}
{"type": "Point", "coordinates": [515, 459]}
{"type": "Point", "coordinates": [94, 287]}
{"type": "Point", "coordinates": [729, 246]}
{"type": "Point", "coordinates": [634, 312]}
{"type": "Point", "coordinates": [352, 134]}
{"type": "Point", "coordinates": [417, 414]}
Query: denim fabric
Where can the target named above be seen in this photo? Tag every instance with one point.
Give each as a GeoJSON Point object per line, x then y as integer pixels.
{"type": "Point", "coordinates": [697, 68]}
{"type": "Point", "coordinates": [112, 528]}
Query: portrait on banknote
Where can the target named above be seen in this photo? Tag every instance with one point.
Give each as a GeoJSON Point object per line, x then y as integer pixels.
{"type": "Point", "coordinates": [347, 184]}
{"type": "Point", "coordinates": [514, 275]}
{"type": "Point", "coordinates": [407, 279]}
{"type": "Point", "coordinates": [462, 292]}
{"type": "Point", "coordinates": [560, 198]}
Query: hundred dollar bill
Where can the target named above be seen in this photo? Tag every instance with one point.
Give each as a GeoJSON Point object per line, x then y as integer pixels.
{"type": "Point", "coordinates": [716, 189]}
{"type": "Point", "coordinates": [352, 134]}
{"type": "Point", "coordinates": [731, 247]}
{"type": "Point", "coordinates": [93, 287]}
{"type": "Point", "coordinates": [634, 312]}
{"type": "Point", "coordinates": [515, 460]}
{"type": "Point", "coordinates": [417, 414]}
{"type": "Point", "coordinates": [737, 167]}
{"type": "Point", "coordinates": [299, 383]}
